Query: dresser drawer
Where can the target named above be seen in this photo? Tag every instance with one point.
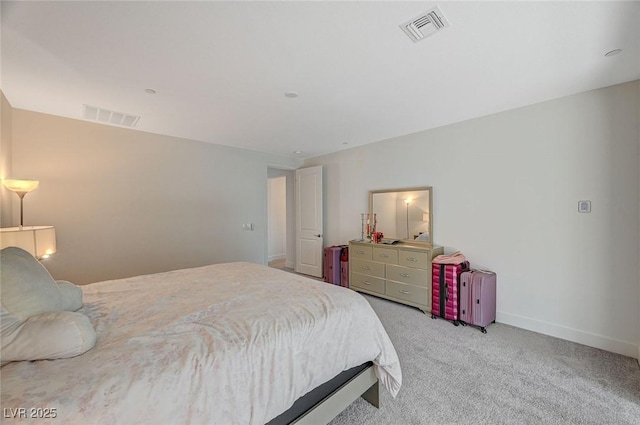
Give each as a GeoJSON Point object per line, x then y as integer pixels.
{"type": "Point", "coordinates": [369, 283]}
{"type": "Point", "coordinates": [411, 293]}
{"type": "Point", "coordinates": [362, 252]}
{"type": "Point", "coordinates": [385, 255]}
{"type": "Point", "coordinates": [415, 259]}
{"type": "Point", "coordinates": [367, 267]}
{"type": "Point", "coordinates": [408, 275]}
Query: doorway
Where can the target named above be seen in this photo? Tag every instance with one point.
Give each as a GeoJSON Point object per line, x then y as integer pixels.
{"type": "Point", "coordinates": [280, 219]}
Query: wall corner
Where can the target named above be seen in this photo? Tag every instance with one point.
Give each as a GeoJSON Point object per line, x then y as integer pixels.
{"type": "Point", "coordinates": [6, 144]}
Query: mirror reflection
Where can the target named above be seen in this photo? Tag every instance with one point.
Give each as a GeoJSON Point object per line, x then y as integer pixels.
{"type": "Point", "coordinates": [403, 213]}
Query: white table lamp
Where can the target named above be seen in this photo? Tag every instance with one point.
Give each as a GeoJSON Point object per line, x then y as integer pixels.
{"type": "Point", "coordinates": [39, 241]}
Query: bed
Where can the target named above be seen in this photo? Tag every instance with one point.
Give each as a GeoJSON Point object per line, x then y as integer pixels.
{"type": "Point", "coordinates": [233, 343]}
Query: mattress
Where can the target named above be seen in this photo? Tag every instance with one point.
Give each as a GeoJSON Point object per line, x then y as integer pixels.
{"type": "Point", "coordinates": [233, 343]}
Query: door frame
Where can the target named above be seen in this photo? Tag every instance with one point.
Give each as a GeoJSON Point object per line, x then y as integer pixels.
{"type": "Point", "coordinates": [289, 173]}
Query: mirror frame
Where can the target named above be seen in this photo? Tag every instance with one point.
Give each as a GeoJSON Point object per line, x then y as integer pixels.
{"type": "Point", "coordinates": [408, 189]}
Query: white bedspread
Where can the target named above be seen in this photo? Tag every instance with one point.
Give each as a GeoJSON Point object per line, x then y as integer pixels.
{"type": "Point", "coordinates": [232, 343]}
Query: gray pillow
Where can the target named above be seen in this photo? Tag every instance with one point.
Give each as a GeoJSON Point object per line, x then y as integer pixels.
{"type": "Point", "coordinates": [71, 295]}
{"type": "Point", "coordinates": [54, 335]}
{"type": "Point", "coordinates": [34, 323]}
{"type": "Point", "coordinates": [27, 287]}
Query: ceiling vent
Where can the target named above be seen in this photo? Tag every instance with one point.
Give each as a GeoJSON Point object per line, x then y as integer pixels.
{"type": "Point", "coordinates": [93, 113]}
{"type": "Point", "coordinates": [428, 23]}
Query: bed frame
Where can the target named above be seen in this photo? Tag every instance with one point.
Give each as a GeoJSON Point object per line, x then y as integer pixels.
{"type": "Point", "coordinates": [322, 404]}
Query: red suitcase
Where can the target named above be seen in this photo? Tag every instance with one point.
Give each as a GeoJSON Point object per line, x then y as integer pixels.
{"type": "Point", "coordinates": [444, 295]}
{"type": "Point", "coordinates": [478, 298]}
{"type": "Point", "coordinates": [332, 264]}
{"type": "Point", "coordinates": [344, 267]}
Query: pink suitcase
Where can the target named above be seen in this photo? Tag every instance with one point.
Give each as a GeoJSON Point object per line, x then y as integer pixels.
{"type": "Point", "coordinates": [445, 280]}
{"type": "Point", "coordinates": [478, 298]}
{"type": "Point", "coordinates": [332, 264]}
{"type": "Point", "coordinates": [465, 296]}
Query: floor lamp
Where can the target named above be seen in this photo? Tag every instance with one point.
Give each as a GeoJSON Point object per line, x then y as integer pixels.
{"type": "Point", "coordinates": [39, 241]}
{"type": "Point", "coordinates": [407, 201]}
{"type": "Point", "coordinates": [21, 188]}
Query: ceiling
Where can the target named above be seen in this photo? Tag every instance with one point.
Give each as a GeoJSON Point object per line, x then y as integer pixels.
{"type": "Point", "coordinates": [221, 69]}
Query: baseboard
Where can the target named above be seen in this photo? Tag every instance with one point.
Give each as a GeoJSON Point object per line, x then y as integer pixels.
{"type": "Point", "coordinates": [289, 265]}
{"type": "Point", "coordinates": [277, 257]}
{"type": "Point", "coordinates": [625, 348]}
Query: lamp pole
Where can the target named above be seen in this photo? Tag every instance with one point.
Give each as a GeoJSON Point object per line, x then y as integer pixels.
{"type": "Point", "coordinates": [21, 196]}
{"type": "Point", "coordinates": [407, 201]}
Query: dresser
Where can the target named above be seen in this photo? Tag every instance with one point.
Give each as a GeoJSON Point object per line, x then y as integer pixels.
{"type": "Point", "coordinates": [400, 272]}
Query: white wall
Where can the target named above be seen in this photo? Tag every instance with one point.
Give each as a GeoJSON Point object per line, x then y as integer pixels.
{"type": "Point", "coordinates": [277, 212]}
{"type": "Point", "coordinates": [638, 88]}
{"type": "Point", "coordinates": [6, 196]}
{"type": "Point", "coordinates": [506, 191]}
{"type": "Point", "coordinates": [125, 202]}
{"type": "Point", "coordinates": [290, 242]}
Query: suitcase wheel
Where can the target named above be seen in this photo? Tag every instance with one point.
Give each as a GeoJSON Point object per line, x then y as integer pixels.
{"type": "Point", "coordinates": [456, 323]}
{"type": "Point", "coordinates": [433, 316]}
{"type": "Point", "coordinates": [484, 330]}
{"type": "Point", "coordinates": [463, 323]}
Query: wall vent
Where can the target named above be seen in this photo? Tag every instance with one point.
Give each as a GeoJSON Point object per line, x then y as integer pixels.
{"type": "Point", "coordinates": [428, 23]}
{"type": "Point", "coordinates": [93, 113]}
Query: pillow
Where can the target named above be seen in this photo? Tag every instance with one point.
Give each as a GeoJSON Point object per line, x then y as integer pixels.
{"type": "Point", "coordinates": [423, 237]}
{"type": "Point", "coordinates": [71, 295]}
{"type": "Point", "coordinates": [27, 287]}
{"type": "Point", "coordinates": [53, 335]}
{"type": "Point", "coordinates": [34, 323]}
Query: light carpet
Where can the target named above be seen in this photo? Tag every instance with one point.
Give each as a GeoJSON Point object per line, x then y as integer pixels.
{"type": "Point", "coordinates": [457, 375]}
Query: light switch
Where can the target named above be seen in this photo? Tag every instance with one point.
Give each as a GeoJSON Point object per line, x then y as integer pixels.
{"type": "Point", "coordinates": [584, 206]}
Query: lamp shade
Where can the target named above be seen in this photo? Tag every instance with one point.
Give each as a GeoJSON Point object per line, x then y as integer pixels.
{"type": "Point", "coordinates": [39, 241]}
{"type": "Point", "coordinates": [23, 186]}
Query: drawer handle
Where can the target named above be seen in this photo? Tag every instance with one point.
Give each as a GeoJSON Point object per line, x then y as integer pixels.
{"type": "Point", "coordinates": [366, 283]}
{"type": "Point", "coordinates": [411, 259]}
{"type": "Point", "coordinates": [360, 252]}
{"type": "Point", "coordinates": [384, 255]}
{"type": "Point", "coordinates": [405, 275]}
{"type": "Point", "coordinates": [402, 291]}
{"type": "Point", "coordinates": [365, 268]}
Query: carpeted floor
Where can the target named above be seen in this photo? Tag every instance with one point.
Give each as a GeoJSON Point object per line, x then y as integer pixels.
{"type": "Point", "coordinates": [457, 375]}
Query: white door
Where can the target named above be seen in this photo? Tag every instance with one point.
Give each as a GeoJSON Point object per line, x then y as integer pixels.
{"type": "Point", "coordinates": [309, 221]}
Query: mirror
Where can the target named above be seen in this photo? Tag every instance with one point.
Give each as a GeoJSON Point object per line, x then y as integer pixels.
{"type": "Point", "coordinates": [403, 214]}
